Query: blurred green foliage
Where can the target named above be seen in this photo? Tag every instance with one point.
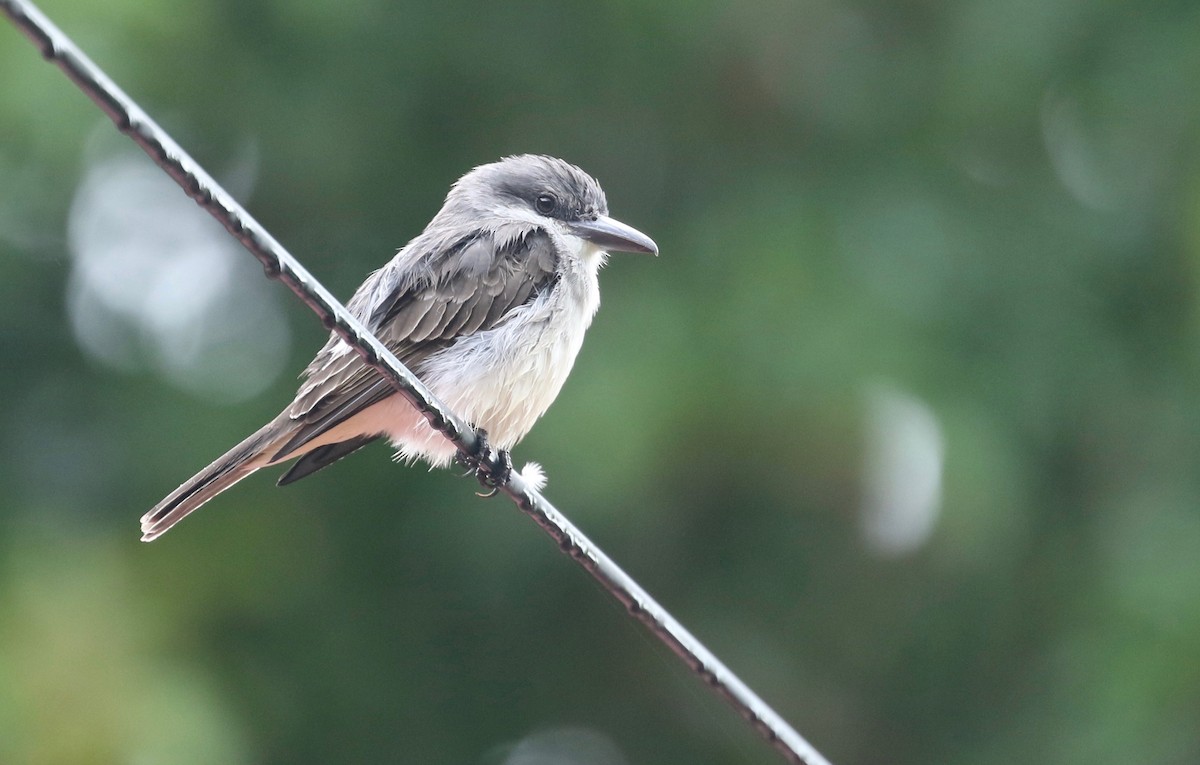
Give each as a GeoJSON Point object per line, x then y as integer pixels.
{"type": "Point", "coordinates": [988, 210]}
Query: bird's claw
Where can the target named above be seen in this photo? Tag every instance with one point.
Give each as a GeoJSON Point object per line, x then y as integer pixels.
{"type": "Point", "coordinates": [492, 467]}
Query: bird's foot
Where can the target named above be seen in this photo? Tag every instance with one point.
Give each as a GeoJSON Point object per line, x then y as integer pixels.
{"type": "Point", "coordinates": [492, 467]}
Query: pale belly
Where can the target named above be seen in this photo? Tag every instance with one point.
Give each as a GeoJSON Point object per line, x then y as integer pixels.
{"type": "Point", "coordinates": [501, 380]}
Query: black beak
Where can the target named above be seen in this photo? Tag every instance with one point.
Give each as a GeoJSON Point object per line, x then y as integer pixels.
{"type": "Point", "coordinates": [613, 235]}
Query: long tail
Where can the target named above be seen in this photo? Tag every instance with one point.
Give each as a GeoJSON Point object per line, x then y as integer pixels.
{"type": "Point", "coordinates": [233, 466]}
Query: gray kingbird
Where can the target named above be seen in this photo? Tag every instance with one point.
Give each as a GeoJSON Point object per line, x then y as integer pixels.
{"type": "Point", "coordinates": [488, 307]}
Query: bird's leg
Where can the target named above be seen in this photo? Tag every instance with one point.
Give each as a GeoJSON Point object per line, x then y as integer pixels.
{"type": "Point", "coordinates": [492, 467]}
{"type": "Point", "coordinates": [493, 481]}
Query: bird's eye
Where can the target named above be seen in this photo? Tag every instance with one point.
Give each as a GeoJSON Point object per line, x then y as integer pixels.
{"type": "Point", "coordinates": [545, 203]}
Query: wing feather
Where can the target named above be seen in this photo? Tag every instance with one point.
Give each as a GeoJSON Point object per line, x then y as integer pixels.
{"type": "Point", "coordinates": [432, 322]}
{"type": "Point", "coordinates": [463, 289]}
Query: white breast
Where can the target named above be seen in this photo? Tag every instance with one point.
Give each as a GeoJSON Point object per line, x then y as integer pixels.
{"type": "Point", "coordinates": [503, 379]}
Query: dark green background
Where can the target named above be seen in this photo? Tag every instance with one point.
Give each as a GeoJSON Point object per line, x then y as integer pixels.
{"type": "Point", "coordinates": [970, 230]}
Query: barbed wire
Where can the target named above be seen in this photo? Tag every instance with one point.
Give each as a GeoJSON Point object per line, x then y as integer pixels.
{"type": "Point", "coordinates": [279, 264]}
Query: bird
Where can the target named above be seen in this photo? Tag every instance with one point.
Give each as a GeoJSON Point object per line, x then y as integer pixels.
{"type": "Point", "coordinates": [487, 306]}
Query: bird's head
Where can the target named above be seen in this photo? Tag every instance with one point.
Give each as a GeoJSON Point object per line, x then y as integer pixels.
{"type": "Point", "coordinates": [546, 192]}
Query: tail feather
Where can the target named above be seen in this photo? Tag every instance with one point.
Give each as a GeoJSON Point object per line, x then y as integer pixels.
{"type": "Point", "coordinates": [233, 466]}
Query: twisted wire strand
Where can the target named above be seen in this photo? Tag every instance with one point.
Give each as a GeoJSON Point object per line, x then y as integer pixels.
{"type": "Point", "coordinates": [279, 264]}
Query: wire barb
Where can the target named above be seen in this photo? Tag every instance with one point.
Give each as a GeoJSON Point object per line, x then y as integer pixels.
{"type": "Point", "coordinates": [278, 263]}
